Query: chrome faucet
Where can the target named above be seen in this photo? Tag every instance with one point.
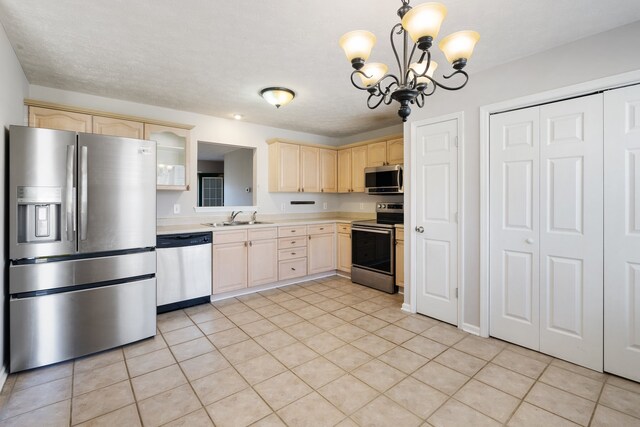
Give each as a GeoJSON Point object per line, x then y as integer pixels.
{"type": "Point", "coordinates": [233, 216]}
{"type": "Point", "coordinates": [253, 216]}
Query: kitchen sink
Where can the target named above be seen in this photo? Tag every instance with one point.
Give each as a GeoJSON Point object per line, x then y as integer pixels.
{"type": "Point", "coordinates": [234, 223]}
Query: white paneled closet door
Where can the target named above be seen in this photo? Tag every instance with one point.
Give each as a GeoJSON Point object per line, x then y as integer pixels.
{"type": "Point", "coordinates": [514, 244]}
{"type": "Point", "coordinates": [571, 230]}
{"type": "Point", "coordinates": [622, 237]}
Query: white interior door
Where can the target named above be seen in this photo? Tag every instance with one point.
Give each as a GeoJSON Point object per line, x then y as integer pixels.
{"type": "Point", "coordinates": [571, 230]}
{"type": "Point", "coordinates": [514, 227]}
{"type": "Point", "coordinates": [622, 239]}
{"type": "Point", "coordinates": [436, 165]}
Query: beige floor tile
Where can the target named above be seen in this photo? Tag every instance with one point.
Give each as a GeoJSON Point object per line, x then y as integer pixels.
{"type": "Point", "coordinates": [378, 375]}
{"type": "Point", "coordinates": [456, 414]}
{"type": "Point", "coordinates": [417, 397]}
{"type": "Point", "coordinates": [621, 400]}
{"type": "Point", "coordinates": [424, 346]}
{"type": "Point", "coordinates": [238, 410]}
{"type": "Point", "coordinates": [260, 327]}
{"type": "Point", "coordinates": [367, 307]}
{"type": "Point", "coordinates": [168, 406]}
{"type": "Point", "coordinates": [98, 360]}
{"type": "Point", "coordinates": [599, 376]}
{"type": "Point", "coordinates": [561, 403]}
{"type": "Point", "coordinates": [348, 393]}
{"type": "Point", "coordinates": [190, 349]}
{"type": "Point", "coordinates": [313, 298]}
{"type": "Point", "coordinates": [102, 401]}
{"type": "Point", "coordinates": [245, 317]}
{"type": "Point", "coordinates": [395, 334]}
{"type": "Point", "coordinates": [348, 299]}
{"type": "Point", "coordinates": [440, 377]}
{"type": "Point", "coordinates": [198, 418]}
{"type": "Point", "coordinates": [260, 368]}
{"type": "Point", "coordinates": [572, 382]}
{"type": "Point", "coordinates": [417, 323]}
{"type": "Point", "coordinates": [269, 421]}
{"type": "Point", "coordinates": [369, 323]}
{"type": "Point", "coordinates": [309, 312]}
{"type": "Point", "coordinates": [218, 385]}
{"type": "Point", "coordinates": [294, 304]}
{"type": "Point", "coordinates": [217, 325]}
{"type": "Point", "coordinates": [323, 343]}
{"type": "Point", "coordinates": [310, 411]}
{"type": "Point", "coordinates": [482, 348]}
{"type": "Point", "coordinates": [145, 346]}
{"type": "Point", "coordinates": [403, 359]}
{"type": "Point", "coordinates": [303, 330]}
{"type": "Point", "coordinates": [182, 335]}
{"type": "Point", "coordinates": [258, 302]}
{"type": "Point", "coordinates": [528, 415]}
{"type": "Point", "coordinates": [233, 308]}
{"type": "Point", "coordinates": [506, 380]}
{"type": "Point", "coordinates": [299, 292]}
{"type": "Point", "coordinates": [332, 293]}
{"type": "Point", "coordinates": [286, 319]}
{"type": "Point", "coordinates": [384, 412]}
{"type": "Point", "coordinates": [348, 357]}
{"type": "Point", "coordinates": [544, 358]}
{"type": "Point", "coordinates": [203, 313]}
{"type": "Point", "coordinates": [330, 305]}
{"type": "Point", "coordinates": [624, 384]}
{"type": "Point", "coordinates": [347, 422]}
{"type": "Point", "coordinates": [461, 362]}
{"type": "Point", "coordinates": [280, 297]}
{"type": "Point", "coordinates": [282, 389]}
{"type": "Point", "coordinates": [519, 363]}
{"type": "Point", "coordinates": [150, 362]}
{"type": "Point", "coordinates": [348, 314]}
{"type": "Point", "coordinates": [275, 340]}
{"type": "Point", "coordinates": [488, 400]}
{"type": "Point", "coordinates": [56, 415]}
{"type": "Point", "coordinates": [174, 320]}
{"type": "Point", "coordinates": [127, 416]}
{"type": "Point", "coordinates": [204, 365]}
{"type": "Point", "coordinates": [243, 351]}
{"type": "Point", "coordinates": [445, 334]}
{"type": "Point", "coordinates": [606, 417]}
{"type": "Point", "coordinates": [373, 345]}
{"type": "Point", "coordinates": [389, 314]}
{"type": "Point", "coordinates": [101, 377]}
{"type": "Point", "coordinates": [156, 382]}
{"type": "Point", "coordinates": [228, 337]}
{"type": "Point", "coordinates": [327, 321]}
{"type": "Point", "coordinates": [318, 372]}
{"type": "Point", "coordinates": [36, 397]}
{"type": "Point", "coordinates": [39, 376]}
{"type": "Point", "coordinates": [348, 332]}
{"type": "Point", "coordinates": [271, 310]}
{"type": "Point", "coordinates": [294, 355]}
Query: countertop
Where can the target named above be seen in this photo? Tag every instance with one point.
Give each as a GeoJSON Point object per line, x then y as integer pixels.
{"type": "Point", "coordinates": [199, 227]}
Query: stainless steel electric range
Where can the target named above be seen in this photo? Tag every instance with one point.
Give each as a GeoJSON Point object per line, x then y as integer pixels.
{"type": "Point", "coordinates": [373, 248]}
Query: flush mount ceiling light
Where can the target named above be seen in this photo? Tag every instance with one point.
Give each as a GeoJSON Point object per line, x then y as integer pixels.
{"type": "Point", "coordinates": [415, 80]}
{"type": "Point", "coordinates": [237, 116]}
{"type": "Point", "coordinates": [277, 96]}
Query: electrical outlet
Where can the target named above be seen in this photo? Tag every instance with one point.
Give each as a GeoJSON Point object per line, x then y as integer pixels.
{"type": "Point", "coordinates": [361, 206]}
{"type": "Point", "coordinates": [176, 208]}
{"type": "Point", "coordinates": [283, 207]}
{"type": "Point", "coordinates": [324, 205]}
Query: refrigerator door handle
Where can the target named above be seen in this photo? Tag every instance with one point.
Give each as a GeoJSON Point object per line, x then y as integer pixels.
{"type": "Point", "coordinates": [70, 223]}
{"type": "Point", "coordinates": [83, 192]}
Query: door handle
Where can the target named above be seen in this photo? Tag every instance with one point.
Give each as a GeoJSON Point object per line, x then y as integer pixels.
{"type": "Point", "coordinates": [420, 229]}
{"type": "Point", "coordinates": [83, 193]}
{"type": "Point", "coordinates": [70, 223]}
{"type": "Point", "coordinates": [530, 241]}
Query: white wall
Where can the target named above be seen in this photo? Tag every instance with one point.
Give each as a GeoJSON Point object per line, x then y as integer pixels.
{"type": "Point", "coordinates": [14, 89]}
{"type": "Point", "coordinates": [238, 175]}
{"type": "Point", "coordinates": [606, 54]}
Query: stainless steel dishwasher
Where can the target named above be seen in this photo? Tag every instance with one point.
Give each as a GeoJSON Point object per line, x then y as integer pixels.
{"type": "Point", "coordinates": [184, 270]}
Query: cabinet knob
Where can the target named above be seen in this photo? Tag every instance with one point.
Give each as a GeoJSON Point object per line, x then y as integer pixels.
{"type": "Point", "coordinates": [309, 237]}
{"type": "Point", "coordinates": [293, 253]}
{"type": "Point", "coordinates": [322, 190]}
{"type": "Point", "coordinates": [303, 189]}
{"type": "Point", "coordinates": [250, 243]}
{"type": "Point", "coordinates": [293, 243]}
{"type": "Point", "coordinates": [293, 269]}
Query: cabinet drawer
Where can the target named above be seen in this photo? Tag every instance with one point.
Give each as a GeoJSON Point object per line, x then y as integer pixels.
{"type": "Point", "coordinates": [321, 229]}
{"type": "Point", "coordinates": [229, 236]}
{"type": "Point", "coordinates": [285, 254]}
{"type": "Point", "coordinates": [263, 234]}
{"type": "Point", "coordinates": [344, 228]}
{"type": "Point", "coordinates": [300, 230]}
{"type": "Point", "coordinates": [292, 242]}
{"type": "Point", "coordinates": [292, 268]}
{"type": "Point", "coordinates": [400, 234]}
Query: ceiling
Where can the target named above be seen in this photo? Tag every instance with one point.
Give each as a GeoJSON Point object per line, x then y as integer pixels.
{"type": "Point", "coordinates": [213, 57]}
{"type": "Point", "coordinates": [210, 151]}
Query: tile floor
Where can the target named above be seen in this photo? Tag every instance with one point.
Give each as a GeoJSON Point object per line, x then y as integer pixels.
{"type": "Point", "coordinates": [321, 353]}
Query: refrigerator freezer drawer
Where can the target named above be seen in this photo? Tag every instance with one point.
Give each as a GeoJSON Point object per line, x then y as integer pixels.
{"type": "Point", "coordinates": [60, 274]}
{"type": "Point", "coordinates": [52, 328]}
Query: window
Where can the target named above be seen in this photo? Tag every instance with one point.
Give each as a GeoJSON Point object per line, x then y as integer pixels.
{"type": "Point", "coordinates": [210, 189]}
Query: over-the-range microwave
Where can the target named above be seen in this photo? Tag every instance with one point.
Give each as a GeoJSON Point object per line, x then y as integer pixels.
{"type": "Point", "coordinates": [382, 180]}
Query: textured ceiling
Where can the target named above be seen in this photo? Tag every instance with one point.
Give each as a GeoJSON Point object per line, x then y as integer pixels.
{"type": "Point", "coordinates": [213, 56]}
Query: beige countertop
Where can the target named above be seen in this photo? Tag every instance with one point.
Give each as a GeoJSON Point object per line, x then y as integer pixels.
{"type": "Point", "coordinates": [198, 227]}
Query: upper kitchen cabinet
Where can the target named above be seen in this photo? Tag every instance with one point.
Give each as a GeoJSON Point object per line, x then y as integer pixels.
{"type": "Point", "coordinates": [59, 119]}
{"type": "Point", "coordinates": [284, 167]}
{"type": "Point", "coordinates": [395, 151]}
{"type": "Point", "coordinates": [309, 169]}
{"type": "Point", "coordinates": [359, 157]}
{"type": "Point", "coordinates": [173, 156]}
{"type": "Point", "coordinates": [377, 154]}
{"type": "Point", "coordinates": [118, 127]}
{"type": "Point", "coordinates": [344, 171]}
{"type": "Point", "coordinates": [328, 171]}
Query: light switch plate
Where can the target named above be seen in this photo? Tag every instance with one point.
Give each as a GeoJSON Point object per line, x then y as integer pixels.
{"type": "Point", "coordinates": [324, 205]}
{"type": "Point", "coordinates": [176, 208]}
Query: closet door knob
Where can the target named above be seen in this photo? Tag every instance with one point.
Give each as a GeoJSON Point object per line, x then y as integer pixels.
{"type": "Point", "coordinates": [530, 241]}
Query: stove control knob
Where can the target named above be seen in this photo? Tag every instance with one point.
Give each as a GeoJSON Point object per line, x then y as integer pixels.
{"type": "Point", "coordinates": [379, 205]}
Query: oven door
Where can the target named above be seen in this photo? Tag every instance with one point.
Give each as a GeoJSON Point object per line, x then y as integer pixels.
{"type": "Point", "coordinates": [372, 249]}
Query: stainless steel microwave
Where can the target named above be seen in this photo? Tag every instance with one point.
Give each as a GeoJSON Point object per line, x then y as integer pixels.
{"type": "Point", "coordinates": [381, 180]}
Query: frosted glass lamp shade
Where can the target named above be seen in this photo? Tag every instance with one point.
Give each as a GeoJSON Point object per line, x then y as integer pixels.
{"type": "Point", "coordinates": [423, 23]}
{"type": "Point", "coordinates": [419, 69]}
{"type": "Point", "coordinates": [374, 72]}
{"type": "Point", "coordinates": [357, 46]}
{"type": "Point", "coordinates": [277, 96]}
{"type": "Point", "coordinates": [458, 47]}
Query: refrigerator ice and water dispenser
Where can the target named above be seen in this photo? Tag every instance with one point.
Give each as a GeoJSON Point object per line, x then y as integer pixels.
{"type": "Point", "coordinates": [39, 216]}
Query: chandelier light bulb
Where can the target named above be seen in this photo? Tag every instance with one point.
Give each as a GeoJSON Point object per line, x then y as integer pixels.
{"type": "Point", "coordinates": [419, 67]}
{"type": "Point", "coordinates": [423, 23]}
{"type": "Point", "coordinates": [374, 72]}
{"type": "Point", "coordinates": [357, 46]}
{"type": "Point", "coordinates": [459, 46]}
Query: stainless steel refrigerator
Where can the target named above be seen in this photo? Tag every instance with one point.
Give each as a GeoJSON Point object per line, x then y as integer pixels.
{"type": "Point", "coordinates": [82, 232]}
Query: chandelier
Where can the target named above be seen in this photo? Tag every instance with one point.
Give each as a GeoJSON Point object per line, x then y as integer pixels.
{"type": "Point", "coordinates": [415, 80]}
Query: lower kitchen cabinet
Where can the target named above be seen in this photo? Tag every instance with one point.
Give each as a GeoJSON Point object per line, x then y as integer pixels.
{"type": "Point", "coordinates": [400, 257]}
{"type": "Point", "coordinates": [229, 266]}
{"type": "Point", "coordinates": [344, 248]}
{"type": "Point", "coordinates": [321, 249]}
{"type": "Point", "coordinates": [263, 261]}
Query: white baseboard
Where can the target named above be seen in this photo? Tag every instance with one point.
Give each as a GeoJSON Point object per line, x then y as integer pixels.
{"type": "Point", "coordinates": [3, 376]}
{"type": "Point", "coordinates": [406, 307]}
{"type": "Point", "coordinates": [472, 329]}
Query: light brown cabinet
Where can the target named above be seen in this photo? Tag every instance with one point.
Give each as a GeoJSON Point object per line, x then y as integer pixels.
{"type": "Point", "coordinates": [229, 266]}
{"type": "Point", "coordinates": [377, 154]}
{"type": "Point", "coordinates": [118, 127]}
{"type": "Point", "coordinates": [292, 256]}
{"type": "Point", "coordinates": [400, 257]}
{"type": "Point", "coordinates": [321, 248]}
{"type": "Point", "coordinates": [344, 171]}
{"type": "Point", "coordinates": [172, 150]}
{"type": "Point", "coordinates": [61, 120]}
{"type": "Point", "coordinates": [328, 171]}
{"type": "Point", "coordinates": [262, 264]}
{"type": "Point", "coordinates": [284, 167]}
{"type": "Point", "coordinates": [309, 169]}
{"type": "Point", "coordinates": [358, 164]}
{"type": "Point", "coordinates": [301, 168]}
{"type": "Point", "coordinates": [344, 248]}
{"type": "Point", "coordinates": [395, 151]}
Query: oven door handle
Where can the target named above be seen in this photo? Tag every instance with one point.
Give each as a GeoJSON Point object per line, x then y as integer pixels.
{"type": "Point", "coordinates": [369, 230]}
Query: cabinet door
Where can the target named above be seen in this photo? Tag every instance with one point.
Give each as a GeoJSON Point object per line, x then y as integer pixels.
{"type": "Point", "coordinates": [263, 262]}
{"type": "Point", "coordinates": [344, 252]}
{"type": "Point", "coordinates": [309, 169]}
{"type": "Point", "coordinates": [395, 151]}
{"type": "Point", "coordinates": [118, 127]}
{"type": "Point", "coordinates": [400, 263]}
{"type": "Point", "coordinates": [377, 154]}
{"type": "Point", "coordinates": [328, 171]}
{"type": "Point", "coordinates": [321, 253]}
{"type": "Point", "coordinates": [284, 165]}
{"type": "Point", "coordinates": [344, 171]}
{"type": "Point", "coordinates": [173, 156]}
{"type": "Point", "coordinates": [229, 267]}
{"type": "Point", "coordinates": [58, 119]}
{"type": "Point", "coordinates": [358, 163]}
